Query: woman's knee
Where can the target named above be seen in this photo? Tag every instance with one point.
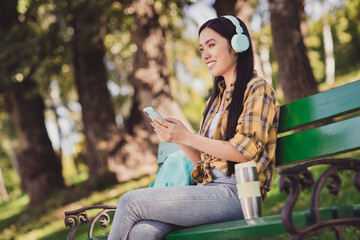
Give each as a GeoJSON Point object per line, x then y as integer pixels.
{"type": "Point", "coordinates": [129, 198]}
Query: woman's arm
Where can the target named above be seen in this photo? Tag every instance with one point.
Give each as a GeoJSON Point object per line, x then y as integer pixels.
{"type": "Point", "coordinates": [173, 130]}
{"type": "Point", "coordinates": [192, 153]}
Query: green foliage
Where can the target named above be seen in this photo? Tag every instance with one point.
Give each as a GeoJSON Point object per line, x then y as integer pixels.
{"type": "Point", "coordinates": [346, 37]}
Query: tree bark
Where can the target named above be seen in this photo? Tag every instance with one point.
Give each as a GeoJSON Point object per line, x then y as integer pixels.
{"type": "Point", "coordinates": [294, 72]}
{"type": "Point", "coordinates": [39, 167]}
{"type": "Point", "coordinates": [91, 82]}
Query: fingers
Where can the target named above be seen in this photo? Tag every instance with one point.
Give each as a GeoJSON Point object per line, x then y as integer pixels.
{"type": "Point", "coordinates": [173, 120]}
{"type": "Point", "coordinates": [160, 121]}
{"type": "Point", "coordinates": [161, 130]}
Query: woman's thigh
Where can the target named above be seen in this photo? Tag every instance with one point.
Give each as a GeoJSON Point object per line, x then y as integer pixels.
{"type": "Point", "coordinates": [183, 206]}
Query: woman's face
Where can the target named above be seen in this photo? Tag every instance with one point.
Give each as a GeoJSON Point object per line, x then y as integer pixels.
{"type": "Point", "coordinates": [217, 54]}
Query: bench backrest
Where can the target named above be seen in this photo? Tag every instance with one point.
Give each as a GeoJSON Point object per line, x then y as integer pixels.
{"type": "Point", "coordinates": [336, 119]}
{"type": "Point", "coordinates": [337, 126]}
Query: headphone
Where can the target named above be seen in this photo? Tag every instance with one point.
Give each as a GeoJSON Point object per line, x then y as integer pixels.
{"type": "Point", "coordinates": [239, 42]}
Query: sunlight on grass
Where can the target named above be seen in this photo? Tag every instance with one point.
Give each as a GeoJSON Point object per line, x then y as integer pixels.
{"type": "Point", "coordinates": [13, 207]}
{"type": "Point", "coordinates": [49, 224]}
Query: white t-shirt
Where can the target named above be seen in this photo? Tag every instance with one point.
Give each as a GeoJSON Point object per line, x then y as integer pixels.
{"type": "Point", "coordinates": [213, 125]}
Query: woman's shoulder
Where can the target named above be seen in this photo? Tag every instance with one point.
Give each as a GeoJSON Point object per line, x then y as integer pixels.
{"type": "Point", "coordinates": [260, 86]}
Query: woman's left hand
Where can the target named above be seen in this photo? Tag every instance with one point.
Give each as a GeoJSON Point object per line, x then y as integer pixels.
{"type": "Point", "coordinates": [170, 130]}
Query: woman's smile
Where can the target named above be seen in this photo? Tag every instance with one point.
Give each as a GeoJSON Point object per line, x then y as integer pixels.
{"type": "Point", "coordinates": [211, 64]}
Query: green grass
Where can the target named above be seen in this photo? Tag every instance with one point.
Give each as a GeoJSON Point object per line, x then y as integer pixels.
{"type": "Point", "coordinates": [18, 222]}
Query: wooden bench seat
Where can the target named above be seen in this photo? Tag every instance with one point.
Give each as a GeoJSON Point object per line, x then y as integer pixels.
{"type": "Point", "coordinates": [311, 130]}
{"type": "Point", "coordinates": [258, 227]}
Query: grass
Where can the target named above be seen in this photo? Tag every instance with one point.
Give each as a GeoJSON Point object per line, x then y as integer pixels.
{"type": "Point", "coordinates": [17, 222]}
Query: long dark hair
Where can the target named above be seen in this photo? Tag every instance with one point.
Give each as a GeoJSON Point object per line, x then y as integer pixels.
{"type": "Point", "coordinates": [244, 71]}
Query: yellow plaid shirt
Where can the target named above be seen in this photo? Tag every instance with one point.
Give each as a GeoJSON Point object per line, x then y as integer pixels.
{"type": "Point", "coordinates": [255, 135]}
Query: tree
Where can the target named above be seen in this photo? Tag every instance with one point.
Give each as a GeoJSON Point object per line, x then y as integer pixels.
{"type": "Point", "coordinates": [150, 82]}
{"type": "Point", "coordinates": [328, 47]}
{"type": "Point", "coordinates": [3, 193]}
{"type": "Point", "coordinates": [91, 82]}
{"type": "Point", "coordinates": [294, 72]}
{"type": "Point", "coordinates": [39, 167]}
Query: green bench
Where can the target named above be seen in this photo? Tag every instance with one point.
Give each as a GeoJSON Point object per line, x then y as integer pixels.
{"type": "Point", "coordinates": [311, 130]}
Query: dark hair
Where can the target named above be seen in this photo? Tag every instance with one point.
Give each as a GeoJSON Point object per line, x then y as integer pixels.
{"type": "Point", "coordinates": [244, 71]}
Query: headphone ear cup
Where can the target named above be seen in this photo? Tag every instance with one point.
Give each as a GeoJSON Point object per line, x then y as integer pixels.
{"type": "Point", "coordinates": [240, 42]}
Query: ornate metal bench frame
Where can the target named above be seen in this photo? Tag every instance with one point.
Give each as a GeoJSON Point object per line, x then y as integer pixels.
{"type": "Point", "coordinates": [79, 216]}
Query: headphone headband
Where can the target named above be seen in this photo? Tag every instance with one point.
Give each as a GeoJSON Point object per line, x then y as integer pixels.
{"type": "Point", "coordinates": [235, 22]}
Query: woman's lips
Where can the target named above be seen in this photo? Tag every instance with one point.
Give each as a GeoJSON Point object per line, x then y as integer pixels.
{"type": "Point", "coordinates": [211, 64]}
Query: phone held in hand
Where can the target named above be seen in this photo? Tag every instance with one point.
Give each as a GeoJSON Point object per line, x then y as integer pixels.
{"type": "Point", "coordinates": [151, 113]}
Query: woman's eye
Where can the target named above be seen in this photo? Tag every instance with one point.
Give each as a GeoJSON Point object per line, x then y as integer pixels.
{"type": "Point", "coordinates": [211, 45]}
{"type": "Point", "coordinates": [201, 49]}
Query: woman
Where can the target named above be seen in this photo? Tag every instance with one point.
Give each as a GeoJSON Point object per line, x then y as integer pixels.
{"type": "Point", "coordinates": [239, 124]}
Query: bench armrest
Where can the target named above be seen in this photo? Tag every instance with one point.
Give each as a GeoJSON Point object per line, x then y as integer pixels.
{"type": "Point", "coordinates": [292, 179]}
{"type": "Point", "coordinates": [79, 216]}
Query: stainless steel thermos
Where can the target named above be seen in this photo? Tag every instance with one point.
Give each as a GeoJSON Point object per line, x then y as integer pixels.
{"type": "Point", "coordinates": [247, 182]}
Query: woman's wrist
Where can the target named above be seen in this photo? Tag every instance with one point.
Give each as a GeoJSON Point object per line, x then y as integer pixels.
{"type": "Point", "coordinates": [188, 139]}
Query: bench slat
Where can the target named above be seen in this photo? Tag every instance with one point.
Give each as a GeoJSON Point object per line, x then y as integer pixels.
{"type": "Point", "coordinates": [331, 103]}
{"type": "Point", "coordinates": [318, 142]}
{"type": "Point", "coordinates": [258, 227]}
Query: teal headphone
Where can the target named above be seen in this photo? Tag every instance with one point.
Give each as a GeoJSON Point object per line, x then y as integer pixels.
{"type": "Point", "coordinates": [239, 42]}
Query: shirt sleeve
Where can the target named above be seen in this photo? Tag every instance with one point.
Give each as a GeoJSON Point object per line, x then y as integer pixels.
{"type": "Point", "coordinates": [252, 130]}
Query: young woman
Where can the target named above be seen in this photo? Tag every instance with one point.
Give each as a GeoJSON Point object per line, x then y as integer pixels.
{"type": "Point", "coordinates": [239, 124]}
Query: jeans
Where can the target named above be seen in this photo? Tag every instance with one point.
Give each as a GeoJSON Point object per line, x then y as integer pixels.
{"type": "Point", "coordinates": [151, 213]}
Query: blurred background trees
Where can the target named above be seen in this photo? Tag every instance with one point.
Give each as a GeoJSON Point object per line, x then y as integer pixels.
{"type": "Point", "coordinates": [75, 76]}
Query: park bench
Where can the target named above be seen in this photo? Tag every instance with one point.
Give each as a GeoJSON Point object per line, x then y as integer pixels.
{"type": "Point", "coordinates": [311, 131]}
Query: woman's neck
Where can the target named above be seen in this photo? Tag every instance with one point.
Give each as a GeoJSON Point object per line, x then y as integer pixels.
{"type": "Point", "coordinates": [229, 78]}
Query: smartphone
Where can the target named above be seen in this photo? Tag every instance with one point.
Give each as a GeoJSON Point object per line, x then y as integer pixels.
{"type": "Point", "coordinates": [151, 113]}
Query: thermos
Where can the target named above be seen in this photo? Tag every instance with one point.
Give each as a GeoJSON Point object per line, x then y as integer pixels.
{"type": "Point", "coordinates": [247, 183]}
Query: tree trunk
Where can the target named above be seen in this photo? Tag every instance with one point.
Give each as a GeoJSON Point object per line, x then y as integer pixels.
{"type": "Point", "coordinates": [91, 82]}
{"type": "Point", "coordinates": [328, 49]}
{"type": "Point", "coordinates": [150, 78]}
{"type": "Point", "coordinates": [39, 167]}
{"type": "Point", "coordinates": [302, 18]}
{"type": "Point", "coordinates": [294, 72]}
{"type": "Point", "coordinates": [150, 81]}
{"type": "Point", "coordinates": [265, 57]}
{"type": "Point", "coordinates": [3, 193]}
{"type": "Point", "coordinates": [243, 10]}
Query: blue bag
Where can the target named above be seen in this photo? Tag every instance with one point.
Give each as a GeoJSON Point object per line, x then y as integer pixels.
{"type": "Point", "coordinates": [175, 171]}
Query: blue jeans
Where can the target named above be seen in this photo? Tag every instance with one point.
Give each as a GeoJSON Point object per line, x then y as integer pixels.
{"type": "Point", "coordinates": [151, 213]}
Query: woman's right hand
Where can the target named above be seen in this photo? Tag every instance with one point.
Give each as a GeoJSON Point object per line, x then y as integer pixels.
{"type": "Point", "coordinates": [170, 130]}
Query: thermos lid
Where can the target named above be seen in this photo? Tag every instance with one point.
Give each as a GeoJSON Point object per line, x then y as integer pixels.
{"type": "Point", "coordinates": [245, 164]}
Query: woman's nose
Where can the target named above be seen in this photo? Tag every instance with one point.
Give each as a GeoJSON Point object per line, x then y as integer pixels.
{"type": "Point", "coordinates": [205, 55]}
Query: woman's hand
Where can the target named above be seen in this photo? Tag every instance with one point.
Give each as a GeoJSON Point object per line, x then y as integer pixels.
{"type": "Point", "coordinates": [171, 130]}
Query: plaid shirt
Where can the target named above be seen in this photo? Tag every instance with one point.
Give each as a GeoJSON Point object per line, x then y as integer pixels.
{"type": "Point", "coordinates": [255, 135]}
